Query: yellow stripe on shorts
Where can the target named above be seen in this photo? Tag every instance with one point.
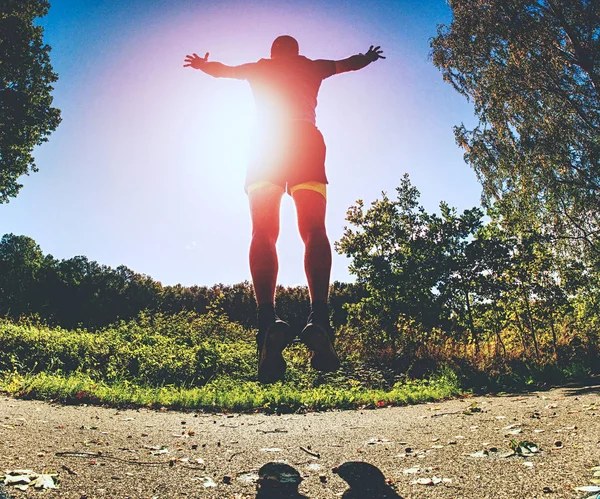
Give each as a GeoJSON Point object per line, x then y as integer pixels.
{"type": "Point", "coordinates": [319, 187]}
{"type": "Point", "coordinates": [263, 183]}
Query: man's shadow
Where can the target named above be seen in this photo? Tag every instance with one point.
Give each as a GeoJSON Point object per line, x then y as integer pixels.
{"type": "Point", "coordinates": [279, 481]}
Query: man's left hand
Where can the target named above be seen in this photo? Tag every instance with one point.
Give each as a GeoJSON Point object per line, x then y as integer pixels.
{"type": "Point", "coordinates": [374, 53]}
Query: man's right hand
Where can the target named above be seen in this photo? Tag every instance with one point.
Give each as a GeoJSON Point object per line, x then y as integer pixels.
{"type": "Point", "coordinates": [195, 61]}
{"type": "Point", "coordinates": [212, 68]}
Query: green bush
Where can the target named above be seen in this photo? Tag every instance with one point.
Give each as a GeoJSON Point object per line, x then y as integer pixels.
{"type": "Point", "coordinates": [184, 349]}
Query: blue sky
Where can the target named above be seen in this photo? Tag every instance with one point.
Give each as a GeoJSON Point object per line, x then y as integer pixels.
{"type": "Point", "coordinates": [147, 167]}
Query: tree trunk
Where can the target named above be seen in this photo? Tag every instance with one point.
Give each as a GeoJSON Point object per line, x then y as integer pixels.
{"type": "Point", "coordinates": [554, 341]}
{"type": "Point", "coordinates": [522, 331]}
{"type": "Point", "coordinates": [532, 327]}
{"type": "Point", "coordinates": [499, 338]}
{"type": "Point", "coordinates": [471, 323]}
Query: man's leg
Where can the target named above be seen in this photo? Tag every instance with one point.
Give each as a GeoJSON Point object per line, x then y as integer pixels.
{"type": "Point", "coordinates": [318, 333]}
{"type": "Point", "coordinates": [273, 334]}
{"type": "Point", "coordinates": [310, 209]}
{"type": "Point", "coordinates": [265, 203]}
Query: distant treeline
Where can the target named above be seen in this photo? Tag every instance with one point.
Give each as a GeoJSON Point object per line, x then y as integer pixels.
{"type": "Point", "coordinates": [77, 292]}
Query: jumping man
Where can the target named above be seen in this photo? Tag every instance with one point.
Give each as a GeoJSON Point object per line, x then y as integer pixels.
{"type": "Point", "coordinates": [289, 156]}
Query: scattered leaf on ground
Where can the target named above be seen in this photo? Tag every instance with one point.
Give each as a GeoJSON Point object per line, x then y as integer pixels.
{"type": "Point", "coordinates": [524, 447]}
{"type": "Point", "coordinates": [16, 479]}
{"type": "Point", "coordinates": [249, 478]}
{"type": "Point", "coordinates": [159, 452]}
{"type": "Point", "coordinates": [374, 441]}
{"type": "Point", "coordinates": [431, 481]}
{"type": "Point", "coordinates": [472, 409]}
{"type": "Point", "coordinates": [588, 488]}
{"type": "Point", "coordinates": [206, 481]}
{"type": "Point", "coordinates": [21, 479]}
{"type": "Point", "coordinates": [44, 481]}
{"type": "Point", "coordinates": [411, 471]}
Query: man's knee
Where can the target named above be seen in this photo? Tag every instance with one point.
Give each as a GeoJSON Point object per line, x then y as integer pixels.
{"type": "Point", "coordinates": [314, 234]}
{"type": "Point", "coordinates": [265, 234]}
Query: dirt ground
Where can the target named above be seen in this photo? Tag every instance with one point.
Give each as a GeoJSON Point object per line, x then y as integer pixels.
{"type": "Point", "coordinates": [453, 449]}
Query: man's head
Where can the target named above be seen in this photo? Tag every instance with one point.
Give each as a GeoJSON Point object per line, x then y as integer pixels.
{"type": "Point", "coordinates": [284, 46]}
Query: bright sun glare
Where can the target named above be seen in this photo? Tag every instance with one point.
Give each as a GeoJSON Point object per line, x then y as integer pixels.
{"type": "Point", "coordinates": [231, 116]}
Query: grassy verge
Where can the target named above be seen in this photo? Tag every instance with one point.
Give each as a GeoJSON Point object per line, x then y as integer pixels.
{"type": "Point", "coordinates": [227, 395]}
{"type": "Point", "coordinates": [186, 361]}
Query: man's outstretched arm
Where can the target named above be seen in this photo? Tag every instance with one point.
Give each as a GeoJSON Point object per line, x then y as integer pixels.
{"type": "Point", "coordinates": [216, 69]}
{"type": "Point", "coordinates": [358, 61]}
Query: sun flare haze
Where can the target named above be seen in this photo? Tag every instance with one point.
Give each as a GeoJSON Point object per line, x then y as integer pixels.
{"type": "Point", "coordinates": [147, 168]}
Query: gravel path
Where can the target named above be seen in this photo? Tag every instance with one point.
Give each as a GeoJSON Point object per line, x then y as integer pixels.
{"type": "Point", "coordinates": [107, 453]}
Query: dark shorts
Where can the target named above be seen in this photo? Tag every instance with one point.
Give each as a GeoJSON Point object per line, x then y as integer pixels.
{"type": "Point", "coordinates": [287, 156]}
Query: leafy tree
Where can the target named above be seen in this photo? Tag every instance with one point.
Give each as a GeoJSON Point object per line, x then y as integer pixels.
{"type": "Point", "coordinates": [389, 257]}
{"type": "Point", "coordinates": [26, 76]}
{"type": "Point", "coordinates": [20, 262]}
{"type": "Point", "coordinates": [492, 251]}
{"type": "Point", "coordinates": [532, 70]}
{"type": "Point", "coordinates": [473, 259]}
{"type": "Point", "coordinates": [414, 265]}
{"type": "Point", "coordinates": [528, 289]}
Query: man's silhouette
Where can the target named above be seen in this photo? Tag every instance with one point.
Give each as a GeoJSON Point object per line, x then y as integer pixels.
{"type": "Point", "coordinates": [289, 156]}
